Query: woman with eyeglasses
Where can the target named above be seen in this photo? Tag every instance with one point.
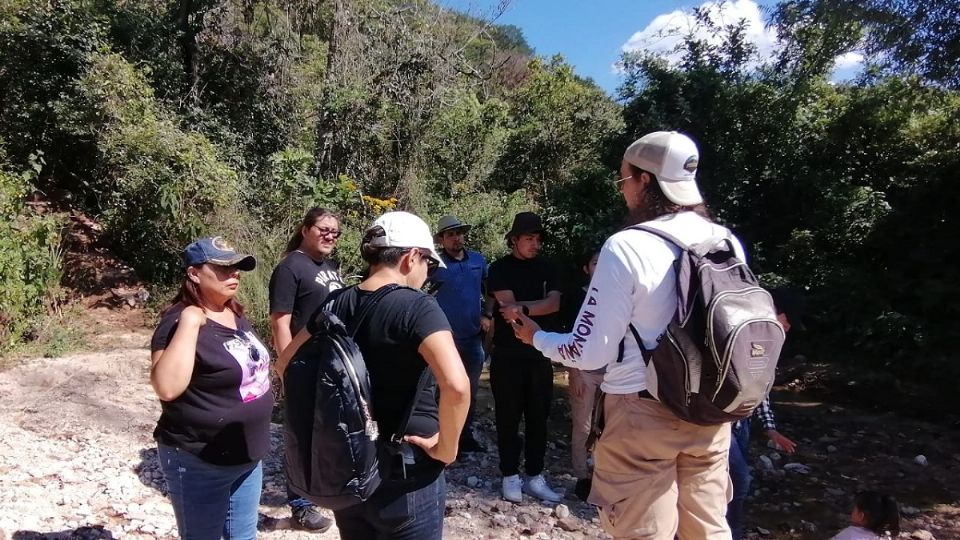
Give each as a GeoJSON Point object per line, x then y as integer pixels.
{"type": "Point", "coordinates": [299, 285]}
{"type": "Point", "coordinates": [211, 373]}
{"type": "Point", "coordinates": [404, 334]}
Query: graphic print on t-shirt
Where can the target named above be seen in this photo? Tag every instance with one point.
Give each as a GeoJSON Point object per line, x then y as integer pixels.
{"type": "Point", "coordinates": [254, 362]}
{"type": "Point", "coordinates": [329, 279]}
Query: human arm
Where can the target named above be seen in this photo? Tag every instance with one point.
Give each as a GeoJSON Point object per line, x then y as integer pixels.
{"type": "Point", "coordinates": [765, 413]}
{"type": "Point", "coordinates": [280, 328]}
{"type": "Point", "coordinates": [283, 359]}
{"type": "Point", "coordinates": [510, 308]}
{"type": "Point", "coordinates": [601, 322]}
{"type": "Point", "coordinates": [440, 353]}
{"type": "Point", "coordinates": [172, 367]}
{"type": "Point", "coordinates": [282, 290]}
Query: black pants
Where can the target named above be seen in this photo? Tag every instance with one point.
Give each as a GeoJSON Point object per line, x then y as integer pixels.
{"type": "Point", "coordinates": [522, 388]}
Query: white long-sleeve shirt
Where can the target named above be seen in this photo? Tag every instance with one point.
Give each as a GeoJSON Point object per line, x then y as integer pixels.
{"type": "Point", "coordinates": [634, 282]}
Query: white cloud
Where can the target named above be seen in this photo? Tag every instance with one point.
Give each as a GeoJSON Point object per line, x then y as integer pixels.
{"type": "Point", "coordinates": [666, 31]}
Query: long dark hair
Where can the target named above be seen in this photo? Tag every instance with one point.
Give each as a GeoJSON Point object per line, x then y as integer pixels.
{"type": "Point", "coordinates": [190, 295]}
{"type": "Point", "coordinates": [880, 512]}
{"type": "Point", "coordinates": [657, 204]}
{"type": "Point", "coordinates": [311, 217]}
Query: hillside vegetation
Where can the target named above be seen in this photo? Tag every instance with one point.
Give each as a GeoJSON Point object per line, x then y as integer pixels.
{"type": "Point", "coordinates": [167, 119]}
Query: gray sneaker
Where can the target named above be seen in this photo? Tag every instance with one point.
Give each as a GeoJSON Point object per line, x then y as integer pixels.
{"type": "Point", "coordinates": [512, 488]}
{"type": "Point", "coordinates": [536, 486]}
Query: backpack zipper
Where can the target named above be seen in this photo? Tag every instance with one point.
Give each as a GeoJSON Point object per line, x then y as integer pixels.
{"type": "Point", "coordinates": [729, 351]}
{"type": "Point", "coordinates": [686, 366]}
{"type": "Point", "coordinates": [370, 428]}
{"type": "Point", "coordinates": [713, 306]}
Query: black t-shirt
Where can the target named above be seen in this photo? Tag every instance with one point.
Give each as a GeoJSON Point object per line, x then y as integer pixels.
{"type": "Point", "coordinates": [223, 416]}
{"type": "Point", "coordinates": [389, 340]}
{"type": "Point", "coordinates": [570, 304]}
{"type": "Point", "coordinates": [529, 279]}
{"type": "Point", "coordinates": [299, 285]}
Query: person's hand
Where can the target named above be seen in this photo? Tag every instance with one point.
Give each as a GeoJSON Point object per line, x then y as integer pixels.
{"type": "Point", "coordinates": [524, 328]}
{"type": "Point", "coordinates": [510, 311]}
{"type": "Point", "coordinates": [485, 323]}
{"type": "Point", "coordinates": [780, 440]}
{"type": "Point", "coordinates": [193, 316]}
{"type": "Point", "coordinates": [431, 445]}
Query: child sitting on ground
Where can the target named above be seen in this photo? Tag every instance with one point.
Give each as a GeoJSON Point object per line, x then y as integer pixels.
{"type": "Point", "coordinates": [873, 514]}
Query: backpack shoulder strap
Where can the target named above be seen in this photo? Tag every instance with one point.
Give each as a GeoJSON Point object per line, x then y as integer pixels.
{"type": "Point", "coordinates": [636, 335]}
{"type": "Point", "coordinates": [367, 306]}
{"type": "Point", "coordinates": [662, 234]}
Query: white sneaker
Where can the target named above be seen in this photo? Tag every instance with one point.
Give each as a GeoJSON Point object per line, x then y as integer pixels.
{"type": "Point", "coordinates": [512, 488]}
{"type": "Point", "coordinates": [537, 486]}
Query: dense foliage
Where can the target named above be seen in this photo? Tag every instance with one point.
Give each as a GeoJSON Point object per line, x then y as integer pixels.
{"type": "Point", "coordinates": [172, 118]}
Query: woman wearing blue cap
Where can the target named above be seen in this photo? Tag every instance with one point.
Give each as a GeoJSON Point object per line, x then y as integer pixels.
{"type": "Point", "coordinates": [211, 373]}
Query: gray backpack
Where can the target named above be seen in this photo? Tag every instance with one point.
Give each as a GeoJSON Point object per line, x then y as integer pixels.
{"type": "Point", "coordinates": [717, 358]}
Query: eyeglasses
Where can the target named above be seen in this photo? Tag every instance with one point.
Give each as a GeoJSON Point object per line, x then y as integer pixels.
{"type": "Point", "coordinates": [432, 263]}
{"type": "Point", "coordinates": [617, 181]}
{"type": "Point", "coordinates": [324, 231]}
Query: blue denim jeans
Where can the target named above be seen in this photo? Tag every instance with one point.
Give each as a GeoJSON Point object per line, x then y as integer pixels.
{"type": "Point", "coordinates": [739, 474]}
{"type": "Point", "coordinates": [211, 501]}
{"type": "Point", "coordinates": [396, 514]}
{"type": "Point", "coordinates": [472, 355]}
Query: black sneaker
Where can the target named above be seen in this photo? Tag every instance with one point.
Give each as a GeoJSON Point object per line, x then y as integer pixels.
{"type": "Point", "coordinates": [308, 518]}
{"type": "Point", "coordinates": [582, 489]}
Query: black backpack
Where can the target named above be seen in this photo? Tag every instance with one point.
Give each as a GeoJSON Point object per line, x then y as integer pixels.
{"type": "Point", "coordinates": [717, 359]}
{"type": "Point", "coordinates": [333, 447]}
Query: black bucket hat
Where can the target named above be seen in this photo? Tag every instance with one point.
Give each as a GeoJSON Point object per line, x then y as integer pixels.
{"type": "Point", "coordinates": [526, 223]}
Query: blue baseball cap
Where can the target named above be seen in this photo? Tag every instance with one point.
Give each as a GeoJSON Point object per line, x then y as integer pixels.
{"type": "Point", "coordinates": [216, 250]}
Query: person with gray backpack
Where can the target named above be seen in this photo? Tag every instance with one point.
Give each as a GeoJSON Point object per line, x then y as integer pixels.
{"type": "Point", "coordinates": [689, 342]}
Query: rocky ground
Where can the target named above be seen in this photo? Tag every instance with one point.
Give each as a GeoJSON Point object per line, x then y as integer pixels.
{"type": "Point", "coordinates": [77, 461]}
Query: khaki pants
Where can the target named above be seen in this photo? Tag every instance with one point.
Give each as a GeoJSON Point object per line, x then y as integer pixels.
{"type": "Point", "coordinates": [656, 476]}
{"type": "Point", "coordinates": [581, 409]}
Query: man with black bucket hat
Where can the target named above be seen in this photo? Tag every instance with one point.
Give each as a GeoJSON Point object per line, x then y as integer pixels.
{"type": "Point", "coordinates": [520, 376]}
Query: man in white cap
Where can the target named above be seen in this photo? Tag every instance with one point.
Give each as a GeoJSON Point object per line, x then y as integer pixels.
{"type": "Point", "coordinates": [655, 476]}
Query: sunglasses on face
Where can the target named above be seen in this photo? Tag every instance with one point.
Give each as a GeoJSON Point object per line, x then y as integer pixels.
{"type": "Point", "coordinates": [432, 263]}
{"type": "Point", "coordinates": [324, 231]}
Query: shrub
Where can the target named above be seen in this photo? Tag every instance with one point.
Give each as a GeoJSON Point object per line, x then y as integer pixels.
{"type": "Point", "coordinates": [30, 262]}
{"type": "Point", "coordinates": [158, 186]}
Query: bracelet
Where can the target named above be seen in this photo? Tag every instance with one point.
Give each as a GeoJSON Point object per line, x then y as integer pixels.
{"type": "Point", "coordinates": [525, 310]}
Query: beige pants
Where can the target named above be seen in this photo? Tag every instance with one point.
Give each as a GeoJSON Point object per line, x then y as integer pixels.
{"type": "Point", "coordinates": [581, 409]}
{"type": "Point", "coordinates": [656, 476]}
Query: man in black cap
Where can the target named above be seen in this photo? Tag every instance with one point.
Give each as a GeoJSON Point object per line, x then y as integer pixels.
{"type": "Point", "coordinates": [461, 298]}
{"type": "Point", "coordinates": [521, 378]}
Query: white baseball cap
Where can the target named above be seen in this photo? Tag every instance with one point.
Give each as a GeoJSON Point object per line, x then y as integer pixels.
{"type": "Point", "coordinates": [405, 230]}
{"type": "Point", "coordinates": [673, 159]}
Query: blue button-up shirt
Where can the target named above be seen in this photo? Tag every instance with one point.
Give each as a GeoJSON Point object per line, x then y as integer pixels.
{"type": "Point", "coordinates": [461, 292]}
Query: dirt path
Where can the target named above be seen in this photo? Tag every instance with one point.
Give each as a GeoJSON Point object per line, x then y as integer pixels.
{"type": "Point", "coordinates": [77, 461]}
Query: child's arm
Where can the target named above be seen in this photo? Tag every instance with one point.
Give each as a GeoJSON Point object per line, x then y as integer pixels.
{"type": "Point", "coordinates": [765, 413]}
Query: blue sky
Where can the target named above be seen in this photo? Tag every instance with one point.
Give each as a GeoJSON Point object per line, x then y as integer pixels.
{"type": "Point", "coordinates": [591, 34]}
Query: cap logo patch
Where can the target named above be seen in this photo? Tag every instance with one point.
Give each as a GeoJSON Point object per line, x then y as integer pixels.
{"type": "Point", "coordinates": [221, 244]}
{"type": "Point", "coordinates": [690, 165]}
